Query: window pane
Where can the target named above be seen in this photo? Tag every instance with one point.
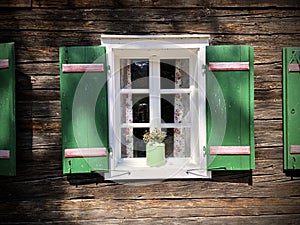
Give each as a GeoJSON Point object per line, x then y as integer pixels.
{"type": "Point", "coordinates": [134, 74]}
{"type": "Point", "coordinates": [174, 73]}
{"type": "Point", "coordinates": [132, 145]}
{"type": "Point", "coordinates": [135, 108]}
{"type": "Point", "coordinates": [175, 108]}
{"type": "Point", "coordinates": [178, 142]}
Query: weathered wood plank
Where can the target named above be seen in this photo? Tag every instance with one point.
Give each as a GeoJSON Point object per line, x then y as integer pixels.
{"type": "Point", "coordinates": [148, 15]}
{"type": "Point", "coordinates": [38, 95]}
{"type": "Point", "coordinates": [268, 49]}
{"type": "Point", "coordinates": [163, 4]}
{"type": "Point", "coordinates": [206, 220]}
{"type": "Point", "coordinates": [268, 133]}
{"type": "Point", "coordinates": [203, 21]}
{"type": "Point", "coordinates": [37, 82]}
{"type": "Point", "coordinates": [38, 109]}
{"type": "Point", "coordinates": [98, 208]}
{"type": "Point", "coordinates": [48, 68]}
{"type": "Point", "coordinates": [268, 104]}
{"type": "Point", "coordinates": [15, 3]}
{"type": "Point", "coordinates": [251, 26]}
{"type": "Point", "coordinates": [160, 190]}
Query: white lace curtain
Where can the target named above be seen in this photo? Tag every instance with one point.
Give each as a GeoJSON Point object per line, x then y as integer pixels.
{"type": "Point", "coordinates": [179, 108]}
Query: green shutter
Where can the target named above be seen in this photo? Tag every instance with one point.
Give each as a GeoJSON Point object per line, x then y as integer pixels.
{"type": "Point", "coordinates": [7, 110]}
{"type": "Point", "coordinates": [230, 107]}
{"type": "Point", "coordinates": [84, 109]}
{"type": "Point", "coordinates": [291, 107]}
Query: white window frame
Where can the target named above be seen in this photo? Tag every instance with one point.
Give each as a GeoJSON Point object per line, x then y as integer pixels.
{"type": "Point", "coordinates": [175, 168]}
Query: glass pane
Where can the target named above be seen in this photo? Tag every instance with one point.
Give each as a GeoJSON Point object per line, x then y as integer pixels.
{"type": "Point", "coordinates": [134, 74]}
{"type": "Point", "coordinates": [175, 108]}
{"type": "Point", "coordinates": [178, 142]}
{"type": "Point", "coordinates": [174, 73]}
{"type": "Point", "coordinates": [132, 145]}
{"type": "Point", "coordinates": [135, 108]}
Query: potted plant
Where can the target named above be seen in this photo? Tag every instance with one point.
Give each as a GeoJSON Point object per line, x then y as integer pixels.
{"type": "Point", "coordinates": [155, 147]}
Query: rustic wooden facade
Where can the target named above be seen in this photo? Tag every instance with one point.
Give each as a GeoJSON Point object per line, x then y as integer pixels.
{"type": "Point", "coordinates": [40, 194]}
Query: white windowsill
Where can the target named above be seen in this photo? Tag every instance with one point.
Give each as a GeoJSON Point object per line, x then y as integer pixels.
{"type": "Point", "coordinates": [136, 169]}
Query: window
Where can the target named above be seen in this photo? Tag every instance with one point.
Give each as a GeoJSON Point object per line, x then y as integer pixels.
{"type": "Point", "coordinates": [157, 83]}
{"type": "Point", "coordinates": [201, 96]}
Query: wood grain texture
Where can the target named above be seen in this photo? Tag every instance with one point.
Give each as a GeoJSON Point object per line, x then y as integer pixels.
{"type": "Point", "coordinates": [163, 4]}
{"type": "Point", "coordinates": [40, 194]}
{"type": "Point", "coordinates": [15, 3]}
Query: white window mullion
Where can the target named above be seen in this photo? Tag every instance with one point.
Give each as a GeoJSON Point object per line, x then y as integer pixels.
{"type": "Point", "coordinates": [155, 117]}
{"type": "Point", "coordinates": [201, 80]}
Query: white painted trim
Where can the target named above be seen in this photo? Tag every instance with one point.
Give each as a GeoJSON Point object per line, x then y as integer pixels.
{"type": "Point", "coordinates": [154, 41]}
{"type": "Point", "coordinates": [155, 37]}
{"type": "Point", "coordinates": [175, 168]}
{"type": "Point", "coordinates": [168, 46]}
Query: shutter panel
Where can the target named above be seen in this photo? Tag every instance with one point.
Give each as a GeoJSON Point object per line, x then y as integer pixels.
{"type": "Point", "coordinates": [84, 109]}
{"type": "Point", "coordinates": [291, 107]}
{"type": "Point", "coordinates": [230, 107]}
{"type": "Point", "coordinates": [7, 110]}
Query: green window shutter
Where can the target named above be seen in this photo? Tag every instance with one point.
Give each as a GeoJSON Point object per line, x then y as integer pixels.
{"type": "Point", "coordinates": [84, 109]}
{"type": "Point", "coordinates": [291, 107]}
{"type": "Point", "coordinates": [230, 107]}
{"type": "Point", "coordinates": [7, 110]}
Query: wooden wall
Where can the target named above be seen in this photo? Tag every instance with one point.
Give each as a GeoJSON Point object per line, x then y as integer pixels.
{"type": "Point", "coordinates": [40, 193]}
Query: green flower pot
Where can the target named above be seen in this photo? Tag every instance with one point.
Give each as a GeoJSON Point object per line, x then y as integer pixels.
{"type": "Point", "coordinates": [155, 154]}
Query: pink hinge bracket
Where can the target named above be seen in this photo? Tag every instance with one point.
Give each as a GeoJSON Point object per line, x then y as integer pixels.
{"type": "Point", "coordinates": [223, 66]}
{"type": "Point", "coordinates": [4, 154]}
{"type": "Point", "coordinates": [4, 63]}
{"type": "Point", "coordinates": [82, 68]}
{"type": "Point", "coordinates": [229, 150]}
